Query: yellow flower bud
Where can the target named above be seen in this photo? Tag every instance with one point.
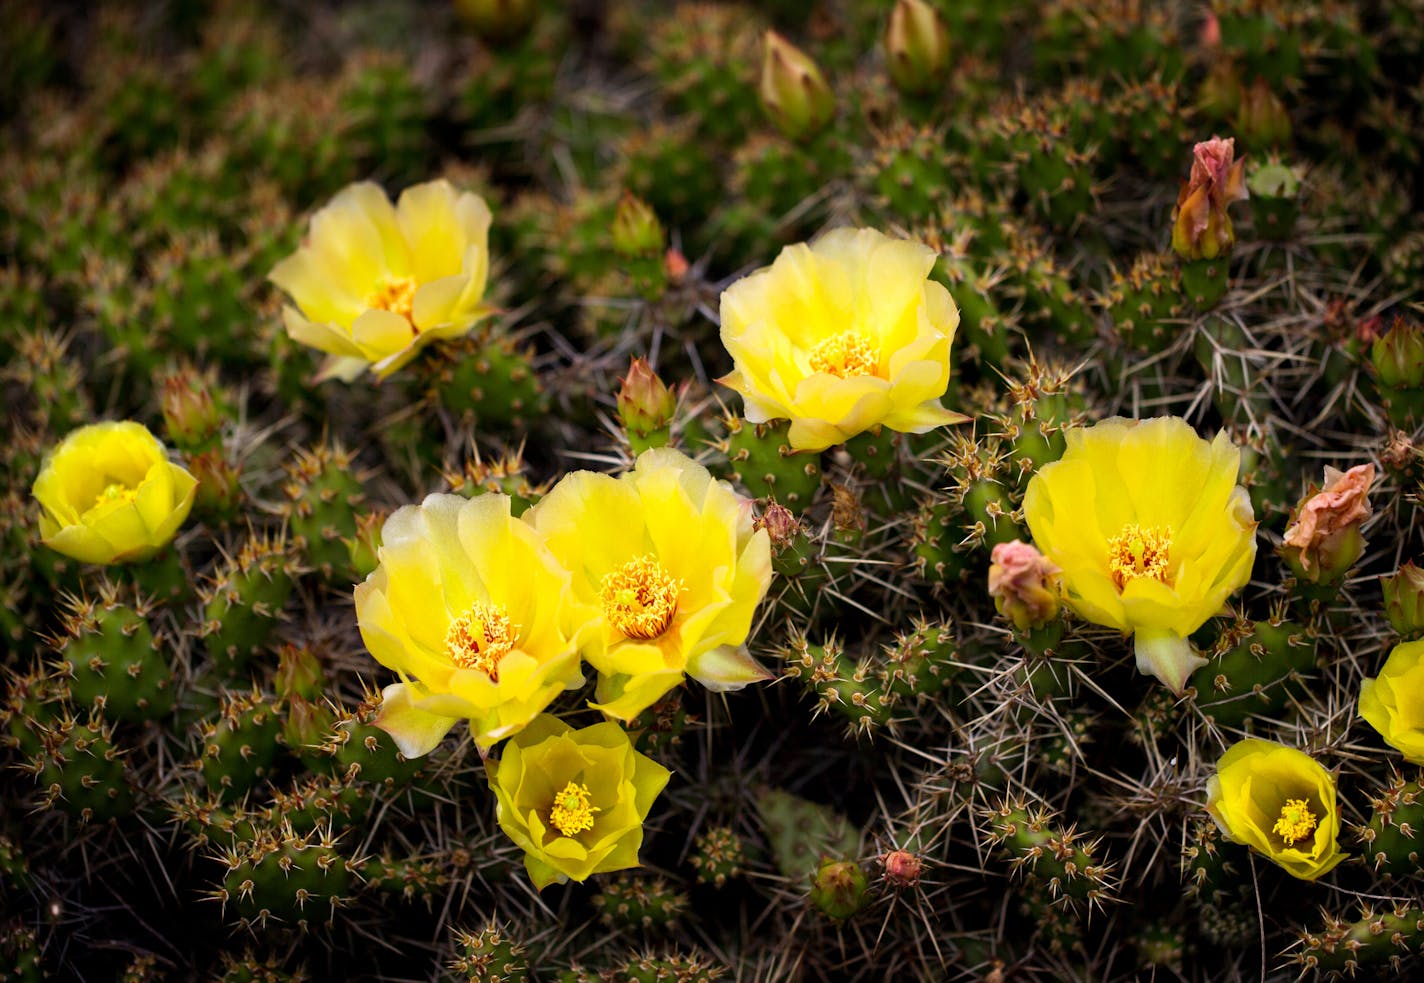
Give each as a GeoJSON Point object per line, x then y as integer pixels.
{"type": "Point", "coordinates": [109, 494]}
{"type": "Point", "coordinates": [1393, 702]}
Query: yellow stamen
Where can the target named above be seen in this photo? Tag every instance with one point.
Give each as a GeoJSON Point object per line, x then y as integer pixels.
{"type": "Point", "coordinates": [396, 295]}
{"type": "Point", "coordinates": [639, 598]}
{"type": "Point", "coordinates": [844, 355]}
{"type": "Point", "coordinates": [479, 638]}
{"type": "Point", "coordinates": [1296, 822]}
{"type": "Point", "coordinates": [116, 491]}
{"type": "Point", "coordinates": [1137, 552]}
{"type": "Point", "coordinates": [572, 813]}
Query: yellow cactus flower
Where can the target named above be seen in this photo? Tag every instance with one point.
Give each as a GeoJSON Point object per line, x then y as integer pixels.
{"type": "Point", "coordinates": [373, 282]}
{"type": "Point", "coordinates": [670, 560]}
{"type": "Point", "coordinates": [469, 607]}
{"type": "Point", "coordinates": [1151, 531]}
{"type": "Point", "coordinates": [1393, 702]}
{"type": "Point", "coordinates": [1281, 803]}
{"type": "Point", "coordinates": [574, 800]}
{"type": "Point", "coordinates": [109, 494]}
{"type": "Point", "coordinates": [840, 336]}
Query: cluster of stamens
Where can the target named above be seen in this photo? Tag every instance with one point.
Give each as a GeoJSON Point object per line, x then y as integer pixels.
{"type": "Point", "coordinates": [480, 637]}
{"type": "Point", "coordinates": [844, 355]}
{"type": "Point", "coordinates": [1138, 552]}
{"type": "Point", "coordinates": [640, 598]}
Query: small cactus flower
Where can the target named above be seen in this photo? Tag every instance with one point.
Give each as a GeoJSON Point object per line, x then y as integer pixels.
{"type": "Point", "coordinates": [574, 800]}
{"type": "Point", "coordinates": [668, 560]}
{"type": "Point", "coordinates": [109, 494]}
{"type": "Point", "coordinates": [373, 282]}
{"type": "Point", "coordinates": [1393, 702]}
{"type": "Point", "coordinates": [1280, 802]}
{"type": "Point", "coordinates": [1024, 585]}
{"type": "Point", "coordinates": [793, 91]}
{"type": "Point", "coordinates": [1323, 540]}
{"type": "Point", "coordinates": [646, 406]}
{"type": "Point", "coordinates": [1201, 229]}
{"type": "Point", "coordinates": [1151, 530]}
{"type": "Point", "coordinates": [473, 612]}
{"type": "Point", "coordinates": [916, 46]}
{"type": "Point", "coordinates": [1404, 599]}
{"type": "Point", "coordinates": [840, 336]}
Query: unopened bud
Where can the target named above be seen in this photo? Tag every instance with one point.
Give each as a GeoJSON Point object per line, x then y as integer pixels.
{"type": "Point", "coordinates": [1323, 540]}
{"type": "Point", "coordinates": [1262, 119]}
{"type": "Point", "coordinates": [1024, 585]}
{"type": "Point", "coordinates": [364, 547]}
{"type": "Point", "coordinates": [840, 889]}
{"type": "Point", "coordinates": [498, 21]}
{"type": "Point", "coordinates": [902, 868]}
{"type": "Point", "coordinates": [1404, 600]}
{"type": "Point", "coordinates": [219, 494]}
{"type": "Point", "coordinates": [306, 724]}
{"type": "Point", "coordinates": [298, 673]}
{"type": "Point", "coordinates": [1398, 356]}
{"type": "Point", "coordinates": [916, 46]}
{"type": "Point", "coordinates": [646, 406]}
{"type": "Point", "coordinates": [636, 230]}
{"type": "Point", "coordinates": [793, 91]}
{"type": "Point", "coordinates": [1400, 454]}
{"type": "Point", "coordinates": [190, 413]}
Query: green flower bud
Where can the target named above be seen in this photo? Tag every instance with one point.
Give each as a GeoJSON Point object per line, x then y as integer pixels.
{"type": "Point", "coordinates": [636, 229]}
{"type": "Point", "coordinates": [916, 46]}
{"type": "Point", "coordinates": [646, 406]}
{"type": "Point", "coordinates": [793, 91]}
{"type": "Point", "coordinates": [1399, 356]}
{"type": "Point", "coordinates": [1404, 600]}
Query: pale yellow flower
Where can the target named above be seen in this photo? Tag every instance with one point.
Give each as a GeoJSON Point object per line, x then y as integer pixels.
{"type": "Point", "coordinates": [1393, 702]}
{"type": "Point", "coordinates": [1151, 531]}
{"type": "Point", "coordinates": [110, 495]}
{"type": "Point", "coordinates": [373, 282]}
{"type": "Point", "coordinates": [669, 560]}
{"type": "Point", "coordinates": [472, 611]}
{"type": "Point", "coordinates": [840, 336]}
{"type": "Point", "coordinates": [574, 800]}
{"type": "Point", "coordinates": [1281, 803]}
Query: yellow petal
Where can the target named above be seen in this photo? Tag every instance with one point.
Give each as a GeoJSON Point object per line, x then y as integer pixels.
{"type": "Point", "coordinates": [415, 731]}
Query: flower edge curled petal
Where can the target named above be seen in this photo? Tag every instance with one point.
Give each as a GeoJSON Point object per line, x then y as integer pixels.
{"type": "Point", "coordinates": [416, 732]}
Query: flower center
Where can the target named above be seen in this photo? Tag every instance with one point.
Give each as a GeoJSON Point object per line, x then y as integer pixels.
{"type": "Point", "coordinates": [572, 813]}
{"type": "Point", "coordinates": [1296, 821]}
{"type": "Point", "coordinates": [639, 598]}
{"type": "Point", "coordinates": [844, 355]}
{"type": "Point", "coordinates": [396, 295]}
{"type": "Point", "coordinates": [116, 492]}
{"type": "Point", "coordinates": [479, 638]}
{"type": "Point", "coordinates": [1137, 552]}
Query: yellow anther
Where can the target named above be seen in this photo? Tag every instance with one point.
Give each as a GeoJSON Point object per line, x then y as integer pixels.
{"type": "Point", "coordinates": [571, 812]}
{"type": "Point", "coordinates": [1296, 822]}
{"type": "Point", "coordinates": [116, 492]}
{"type": "Point", "coordinates": [844, 355]}
{"type": "Point", "coordinates": [396, 295]}
{"type": "Point", "coordinates": [479, 638]}
{"type": "Point", "coordinates": [1137, 552]}
{"type": "Point", "coordinates": [640, 598]}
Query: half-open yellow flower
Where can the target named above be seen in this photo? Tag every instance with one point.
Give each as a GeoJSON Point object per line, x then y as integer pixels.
{"type": "Point", "coordinates": [1151, 531]}
{"type": "Point", "coordinates": [1393, 702]}
{"type": "Point", "coordinates": [840, 336]}
{"type": "Point", "coordinates": [109, 494]}
{"type": "Point", "coordinates": [469, 607]}
{"type": "Point", "coordinates": [669, 559]}
{"type": "Point", "coordinates": [1281, 803]}
{"type": "Point", "coordinates": [574, 800]}
{"type": "Point", "coordinates": [373, 282]}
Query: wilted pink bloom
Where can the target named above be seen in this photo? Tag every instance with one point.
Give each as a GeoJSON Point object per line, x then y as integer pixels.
{"type": "Point", "coordinates": [1201, 229]}
{"type": "Point", "coordinates": [1023, 584]}
{"type": "Point", "coordinates": [1326, 525]}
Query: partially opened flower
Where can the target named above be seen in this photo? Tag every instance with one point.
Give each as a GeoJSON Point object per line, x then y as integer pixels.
{"type": "Point", "coordinates": [1151, 531]}
{"type": "Point", "coordinates": [472, 611]}
{"type": "Point", "coordinates": [574, 800]}
{"type": "Point", "coordinates": [1281, 803]}
{"type": "Point", "coordinates": [373, 282]}
{"type": "Point", "coordinates": [669, 560]}
{"type": "Point", "coordinates": [1201, 228]}
{"type": "Point", "coordinates": [840, 336]}
{"type": "Point", "coordinates": [109, 494]}
{"type": "Point", "coordinates": [1393, 702]}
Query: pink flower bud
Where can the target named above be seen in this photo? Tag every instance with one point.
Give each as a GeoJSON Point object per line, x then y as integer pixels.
{"type": "Point", "coordinates": [1023, 584]}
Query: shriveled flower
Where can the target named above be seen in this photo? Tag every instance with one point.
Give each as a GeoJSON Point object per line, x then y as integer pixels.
{"type": "Point", "coordinates": [1151, 531]}
{"type": "Point", "coordinates": [373, 282]}
{"type": "Point", "coordinates": [109, 494]}
{"type": "Point", "coordinates": [1023, 584]}
{"type": "Point", "coordinates": [1201, 229]}
{"type": "Point", "coordinates": [669, 560]}
{"type": "Point", "coordinates": [574, 800]}
{"type": "Point", "coordinates": [1281, 803]}
{"type": "Point", "coordinates": [1393, 702]}
{"type": "Point", "coordinates": [472, 611]}
{"type": "Point", "coordinates": [842, 335]}
{"type": "Point", "coordinates": [1323, 539]}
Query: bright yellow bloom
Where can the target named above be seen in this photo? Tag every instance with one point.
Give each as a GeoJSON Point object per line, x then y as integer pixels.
{"type": "Point", "coordinates": [472, 611]}
{"type": "Point", "coordinates": [1151, 531]}
{"type": "Point", "coordinates": [1393, 702]}
{"type": "Point", "coordinates": [1281, 803]}
{"type": "Point", "coordinates": [110, 495]}
{"type": "Point", "coordinates": [374, 282]}
{"type": "Point", "coordinates": [840, 336]}
{"type": "Point", "coordinates": [670, 561]}
{"type": "Point", "coordinates": [574, 800]}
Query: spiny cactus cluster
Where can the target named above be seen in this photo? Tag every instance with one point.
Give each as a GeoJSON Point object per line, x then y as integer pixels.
{"type": "Point", "coordinates": [935, 786]}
